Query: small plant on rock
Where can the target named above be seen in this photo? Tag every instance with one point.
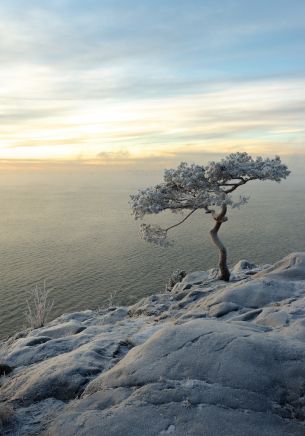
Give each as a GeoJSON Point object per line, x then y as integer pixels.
{"type": "Point", "coordinates": [39, 306]}
{"type": "Point", "coordinates": [176, 277]}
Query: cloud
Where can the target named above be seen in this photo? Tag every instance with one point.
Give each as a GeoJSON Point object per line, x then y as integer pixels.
{"type": "Point", "coordinates": [182, 39]}
{"type": "Point", "coordinates": [250, 115]}
{"type": "Point", "coordinates": [121, 155]}
{"type": "Point", "coordinates": [149, 77]}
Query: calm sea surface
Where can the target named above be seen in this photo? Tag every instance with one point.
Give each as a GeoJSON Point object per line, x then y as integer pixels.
{"type": "Point", "coordinates": [76, 231]}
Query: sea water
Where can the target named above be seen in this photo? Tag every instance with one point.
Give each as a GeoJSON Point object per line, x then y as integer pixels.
{"type": "Point", "coordinates": [74, 230]}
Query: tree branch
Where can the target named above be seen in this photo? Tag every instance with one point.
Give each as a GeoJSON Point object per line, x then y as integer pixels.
{"type": "Point", "coordinates": [221, 217]}
{"type": "Point", "coordinates": [235, 186]}
{"type": "Point", "coordinates": [243, 181]}
{"type": "Point", "coordinates": [180, 222]}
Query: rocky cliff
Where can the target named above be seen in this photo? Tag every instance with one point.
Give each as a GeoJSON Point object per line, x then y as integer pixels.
{"type": "Point", "coordinates": [209, 358]}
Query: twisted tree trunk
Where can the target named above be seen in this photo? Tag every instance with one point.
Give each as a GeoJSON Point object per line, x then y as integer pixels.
{"type": "Point", "coordinates": [224, 273]}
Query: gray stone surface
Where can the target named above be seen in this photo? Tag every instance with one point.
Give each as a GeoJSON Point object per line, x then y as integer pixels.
{"type": "Point", "coordinates": [209, 358]}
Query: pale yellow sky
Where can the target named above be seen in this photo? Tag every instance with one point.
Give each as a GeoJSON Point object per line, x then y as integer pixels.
{"type": "Point", "coordinates": [263, 117]}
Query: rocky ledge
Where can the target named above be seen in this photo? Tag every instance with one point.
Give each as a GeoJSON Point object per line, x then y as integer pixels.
{"type": "Point", "coordinates": [208, 358]}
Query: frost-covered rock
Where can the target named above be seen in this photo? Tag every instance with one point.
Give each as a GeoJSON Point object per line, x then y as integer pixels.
{"type": "Point", "coordinates": [209, 358]}
{"type": "Point", "coordinates": [151, 306]}
{"type": "Point", "coordinates": [202, 377]}
{"type": "Point", "coordinates": [292, 267]}
{"type": "Point", "coordinates": [243, 269]}
{"type": "Point", "coordinates": [244, 265]}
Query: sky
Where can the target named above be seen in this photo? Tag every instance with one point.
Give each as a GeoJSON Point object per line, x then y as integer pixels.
{"type": "Point", "coordinates": [123, 81]}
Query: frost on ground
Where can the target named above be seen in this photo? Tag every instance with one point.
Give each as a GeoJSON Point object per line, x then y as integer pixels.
{"type": "Point", "coordinates": [208, 358]}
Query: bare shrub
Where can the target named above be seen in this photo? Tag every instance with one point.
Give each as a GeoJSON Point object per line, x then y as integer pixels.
{"type": "Point", "coordinates": [111, 299]}
{"type": "Point", "coordinates": [39, 306]}
{"type": "Point", "coordinates": [110, 304]}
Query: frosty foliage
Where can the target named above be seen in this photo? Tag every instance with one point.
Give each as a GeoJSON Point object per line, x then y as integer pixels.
{"type": "Point", "coordinates": [241, 166]}
{"type": "Point", "coordinates": [242, 199]}
{"type": "Point", "coordinates": [176, 277]}
{"type": "Point", "coordinates": [154, 234]}
{"type": "Point", "coordinates": [190, 187]}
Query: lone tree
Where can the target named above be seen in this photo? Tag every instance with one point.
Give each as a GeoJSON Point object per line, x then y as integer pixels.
{"type": "Point", "coordinates": [193, 187]}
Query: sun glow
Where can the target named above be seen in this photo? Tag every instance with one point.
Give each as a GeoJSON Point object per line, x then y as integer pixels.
{"type": "Point", "coordinates": [257, 117]}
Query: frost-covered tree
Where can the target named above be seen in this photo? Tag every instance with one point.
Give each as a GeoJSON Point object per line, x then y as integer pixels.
{"type": "Point", "coordinates": [193, 187]}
